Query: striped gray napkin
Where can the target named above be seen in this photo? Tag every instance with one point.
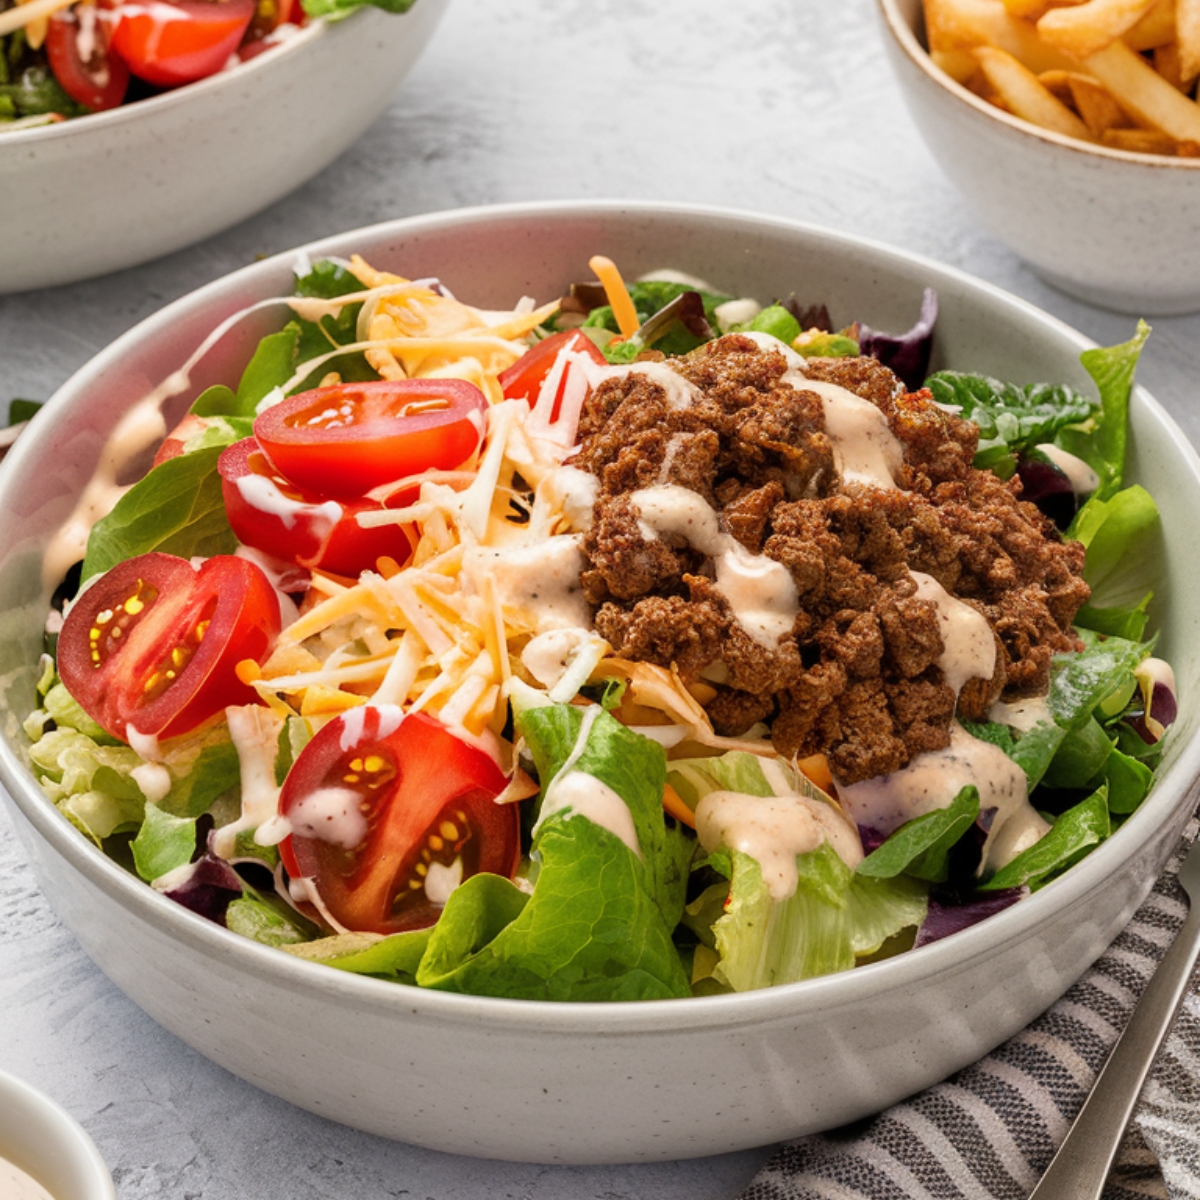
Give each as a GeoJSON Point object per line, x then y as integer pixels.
{"type": "Point", "coordinates": [990, 1130]}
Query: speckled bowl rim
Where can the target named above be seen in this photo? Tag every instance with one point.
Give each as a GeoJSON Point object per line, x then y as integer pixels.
{"type": "Point", "coordinates": [145, 110]}
{"type": "Point", "coordinates": [906, 38]}
{"type": "Point", "coordinates": [1174, 787]}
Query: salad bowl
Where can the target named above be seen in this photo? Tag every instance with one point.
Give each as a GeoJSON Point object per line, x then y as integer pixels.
{"type": "Point", "coordinates": [218, 150]}
{"type": "Point", "coordinates": [605, 1081]}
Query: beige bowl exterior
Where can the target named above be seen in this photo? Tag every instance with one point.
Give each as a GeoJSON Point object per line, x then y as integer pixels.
{"type": "Point", "coordinates": [1116, 229]}
{"type": "Point", "coordinates": [589, 1082]}
{"type": "Point", "coordinates": [118, 188]}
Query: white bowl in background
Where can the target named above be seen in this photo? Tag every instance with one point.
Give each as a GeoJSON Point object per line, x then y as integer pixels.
{"type": "Point", "coordinates": [1117, 229]}
{"type": "Point", "coordinates": [113, 189]}
{"type": "Point", "coordinates": [608, 1082]}
{"type": "Point", "coordinates": [49, 1145]}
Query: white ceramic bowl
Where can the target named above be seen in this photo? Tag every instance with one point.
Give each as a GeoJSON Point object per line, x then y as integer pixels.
{"type": "Point", "coordinates": [595, 1082]}
{"type": "Point", "coordinates": [118, 188]}
{"type": "Point", "coordinates": [1114, 228]}
{"type": "Point", "coordinates": [49, 1145]}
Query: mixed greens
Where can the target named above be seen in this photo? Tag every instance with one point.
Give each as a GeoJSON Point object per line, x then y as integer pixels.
{"type": "Point", "coordinates": [627, 908]}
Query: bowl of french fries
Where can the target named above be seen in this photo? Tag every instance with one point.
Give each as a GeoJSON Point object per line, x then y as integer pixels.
{"type": "Point", "coordinates": [1073, 131]}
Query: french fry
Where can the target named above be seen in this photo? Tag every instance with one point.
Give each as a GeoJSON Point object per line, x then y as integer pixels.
{"type": "Point", "coordinates": [1086, 29]}
{"type": "Point", "coordinates": [1156, 28]}
{"type": "Point", "coordinates": [1025, 96]}
{"type": "Point", "coordinates": [965, 24]}
{"type": "Point", "coordinates": [1095, 104]}
{"type": "Point", "coordinates": [960, 65]}
{"type": "Point", "coordinates": [1098, 70]}
{"type": "Point", "coordinates": [1167, 64]}
{"type": "Point", "coordinates": [1030, 10]}
{"type": "Point", "coordinates": [1141, 141]}
{"type": "Point", "coordinates": [1144, 94]}
{"type": "Point", "coordinates": [1187, 32]}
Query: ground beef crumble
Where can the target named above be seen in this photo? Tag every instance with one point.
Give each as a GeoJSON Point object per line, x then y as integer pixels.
{"type": "Point", "coordinates": [857, 678]}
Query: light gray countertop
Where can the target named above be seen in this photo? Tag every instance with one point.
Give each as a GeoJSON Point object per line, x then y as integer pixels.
{"type": "Point", "coordinates": [781, 106]}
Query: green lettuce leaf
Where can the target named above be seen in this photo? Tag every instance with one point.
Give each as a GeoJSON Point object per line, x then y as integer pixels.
{"type": "Point", "coordinates": [921, 847]}
{"type": "Point", "coordinates": [271, 366]}
{"type": "Point", "coordinates": [831, 919]}
{"type": "Point", "coordinates": [163, 843]}
{"type": "Point", "coordinates": [1101, 442]}
{"type": "Point", "coordinates": [733, 771]}
{"type": "Point", "coordinates": [327, 281]}
{"type": "Point", "coordinates": [1073, 835]}
{"type": "Point", "coordinates": [1123, 537]}
{"type": "Point", "coordinates": [1011, 419]}
{"type": "Point", "coordinates": [1079, 684]}
{"type": "Point", "coordinates": [177, 509]}
{"type": "Point", "coordinates": [336, 10]}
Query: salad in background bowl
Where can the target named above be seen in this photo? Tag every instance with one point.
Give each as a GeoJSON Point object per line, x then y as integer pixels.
{"type": "Point", "coordinates": [632, 729]}
{"type": "Point", "coordinates": [282, 116]}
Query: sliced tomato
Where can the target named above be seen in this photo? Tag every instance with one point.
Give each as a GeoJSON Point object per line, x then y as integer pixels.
{"type": "Point", "coordinates": [169, 42]}
{"type": "Point", "coordinates": [388, 813]}
{"type": "Point", "coordinates": [525, 378]}
{"type": "Point", "coordinates": [272, 514]}
{"type": "Point", "coordinates": [77, 41]}
{"type": "Point", "coordinates": [346, 439]}
{"type": "Point", "coordinates": [152, 646]}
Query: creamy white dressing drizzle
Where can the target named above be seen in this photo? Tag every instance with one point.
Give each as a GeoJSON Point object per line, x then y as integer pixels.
{"type": "Point", "coordinates": [153, 779]}
{"type": "Point", "coordinates": [354, 720]}
{"type": "Point", "coordinates": [548, 656]}
{"type": "Point", "coordinates": [254, 731]}
{"type": "Point", "coordinates": [441, 880]}
{"type": "Point", "coordinates": [760, 592]}
{"type": "Point", "coordinates": [970, 644]}
{"type": "Point", "coordinates": [330, 814]}
{"type": "Point", "coordinates": [145, 744]}
{"type": "Point", "coordinates": [1151, 673]}
{"type": "Point", "coordinates": [1082, 478]}
{"type": "Point", "coordinates": [265, 495]}
{"type": "Point", "coordinates": [736, 312]}
{"type": "Point", "coordinates": [864, 448]}
{"type": "Point", "coordinates": [932, 780]}
{"type": "Point", "coordinates": [1021, 715]}
{"type": "Point", "coordinates": [573, 493]}
{"type": "Point", "coordinates": [141, 427]}
{"type": "Point", "coordinates": [539, 580]}
{"type": "Point", "coordinates": [773, 830]}
{"type": "Point", "coordinates": [680, 393]}
{"type": "Point", "coordinates": [579, 794]}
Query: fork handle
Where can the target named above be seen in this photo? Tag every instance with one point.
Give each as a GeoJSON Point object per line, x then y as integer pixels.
{"type": "Point", "coordinates": [1083, 1161]}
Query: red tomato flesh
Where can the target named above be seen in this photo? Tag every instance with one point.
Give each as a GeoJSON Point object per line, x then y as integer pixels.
{"type": "Point", "coordinates": [387, 811]}
{"type": "Point", "coordinates": [152, 646]}
{"type": "Point", "coordinates": [346, 439]}
{"type": "Point", "coordinates": [77, 42]}
{"type": "Point", "coordinates": [524, 379]}
{"type": "Point", "coordinates": [169, 42]}
{"type": "Point", "coordinates": [272, 514]}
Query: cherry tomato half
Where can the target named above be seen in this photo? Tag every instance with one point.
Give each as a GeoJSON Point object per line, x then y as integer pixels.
{"type": "Point", "coordinates": [388, 813]}
{"type": "Point", "coordinates": [77, 41]}
{"type": "Point", "coordinates": [524, 379]}
{"type": "Point", "coordinates": [169, 42]}
{"type": "Point", "coordinates": [153, 644]}
{"type": "Point", "coordinates": [270, 513]}
{"type": "Point", "coordinates": [346, 439]}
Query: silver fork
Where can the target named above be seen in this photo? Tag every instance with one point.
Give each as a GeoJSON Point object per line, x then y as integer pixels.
{"type": "Point", "coordinates": [1083, 1161]}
